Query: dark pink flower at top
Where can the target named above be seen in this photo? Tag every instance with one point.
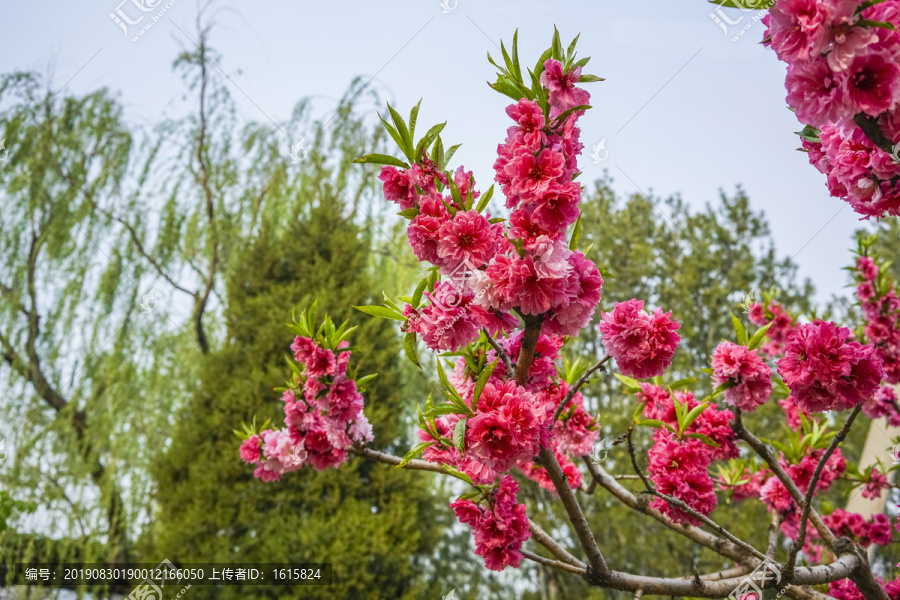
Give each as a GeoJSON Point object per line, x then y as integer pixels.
{"type": "Point", "coordinates": [531, 176]}
{"type": "Point", "coordinates": [468, 238]}
{"type": "Point", "coordinates": [303, 348]}
{"type": "Point", "coordinates": [739, 365]}
{"type": "Point", "coordinates": [873, 83]}
{"type": "Point", "coordinates": [321, 362]}
{"type": "Point", "coordinates": [642, 344]}
{"type": "Point", "coordinates": [564, 94]}
{"type": "Point", "coordinates": [797, 29]}
{"type": "Point", "coordinates": [826, 371]}
{"type": "Point", "coordinates": [400, 186]}
{"type": "Point", "coordinates": [250, 449]}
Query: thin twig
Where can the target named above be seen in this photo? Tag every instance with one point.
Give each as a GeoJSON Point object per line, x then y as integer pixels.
{"type": "Point", "coordinates": [811, 488]}
{"type": "Point", "coordinates": [684, 507]}
{"type": "Point", "coordinates": [510, 369]}
{"type": "Point", "coordinates": [574, 389]}
{"type": "Point", "coordinates": [549, 562]}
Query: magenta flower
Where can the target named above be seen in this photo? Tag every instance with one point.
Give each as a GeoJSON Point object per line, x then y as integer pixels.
{"type": "Point", "coordinates": [825, 371]}
{"type": "Point", "coordinates": [642, 344]}
{"type": "Point", "coordinates": [564, 94]}
{"type": "Point", "coordinates": [816, 93]}
{"type": "Point", "coordinates": [400, 186]}
{"type": "Point", "coordinates": [530, 176]}
{"type": "Point", "coordinates": [679, 469]}
{"type": "Point", "coordinates": [873, 83]}
{"type": "Point", "coordinates": [739, 365]}
{"type": "Point", "coordinates": [530, 123]}
{"type": "Point", "coordinates": [250, 452]}
{"type": "Point", "coordinates": [797, 29]}
{"type": "Point", "coordinates": [467, 238]}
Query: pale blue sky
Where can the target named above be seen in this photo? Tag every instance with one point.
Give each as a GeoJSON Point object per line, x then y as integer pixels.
{"type": "Point", "coordinates": [684, 109]}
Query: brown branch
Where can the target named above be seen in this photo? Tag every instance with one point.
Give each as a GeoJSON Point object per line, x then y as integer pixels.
{"type": "Point", "coordinates": [574, 389]}
{"type": "Point", "coordinates": [548, 562]}
{"type": "Point", "coordinates": [716, 544]}
{"type": "Point", "coordinates": [544, 539]}
{"type": "Point", "coordinates": [529, 343]}
{"type": "Point", "coordinates": [768, 455]}
{"type": "Point", "coordinates": [390, 459]}
{"type": "Point", "coordinates": [202, 298]}
{"type": "Point", "coordinates": [500, 352]}
{"type": "Point", "coordinates": [685, 508]}
{"type": "Point", "coordinates": [811, 488]}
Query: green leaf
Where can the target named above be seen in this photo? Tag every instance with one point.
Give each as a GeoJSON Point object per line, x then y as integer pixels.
{"type": "Point", "coordinates": [443, 409]}
{"type": "Point", "coordinates": [430, 136]}
{"type": "Point", "coordinates": [382, 312]}
{"type": "Point", "coordinates": [706, 439]}
{"type": "Point", "coordinates": [381, 159]}
{"type": "Point", "coordinates": [739, 330]}
{"type": "Point", "coordinates": [682, 383]}
{"type": "Point", "coordinates": [871, 23]}
{"type": "Point", "coordinates": [414, 452]}
{"type": "Point", "coordinates": [692, 416]}
{"type": "Point", "coordinates": [632, 384]}
{"type": "Point", "coordinates": [459, 435]}
{"type": "Point", "coordinates": [654, 423]}
{"type": "Point", "coordinates": [485, 198]}
{"type": "Point", "coordinates": [576, 235]}
{"type": "Point", "coordinates": [517, 70]}
{"type": "Point", "coordinates": [409, 346]}
{"type": "Point", "coordinates": [557, 46]}
{"type": "Point", "coordinates": [756, 340]}
{"type": "Point", "coordinates": [482, 381]}
{"type": "Point", "coordinates": [392, 131]}
{"type": "Point", "coordinates": [585, 78]}
{"type": "Point", "coordinates": [507, 88]}
{"type": "Point", "coordinates": [409, 213]}
{"type": "Point", "coordinates": [413, 116]}
{"type": "Point", "coordinates": [496, 220]}
{"type": "Point", "coordinates": [449, 154]}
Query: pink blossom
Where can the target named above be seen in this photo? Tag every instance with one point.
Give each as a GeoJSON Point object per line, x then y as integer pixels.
{"type": "Point", "coordinates": [825, 371]}
{"type": "Point", "coordinates": [321, 362]}
{"type": "Point", "coordinates": [424, 230]}
{"type": "Point", "coordinates": [400, 186]}
{"type": "Point", "coordinates": [530, 123]}
{"type": "Point", "coordinates": [876, 483]}
{"type": "Point", "coordinates": [743, 367]}
{"type": "Point", "coordinates": [873, 83]}
{"type": "Point", "coordinates": [531, 176]}
{"type": "Point", "coordinates": [558, 207]}
{"type": "Point", "coordinates": [816, 93]}
{"type": "Point", "coordinates": [250, 452]}
{"type": "Point", "coordinates": [303, 348]}
{"type": "Point", "coordinates": [867, 268]}
{"type": "Point", "coordinates": [467, 238]}
{"type": "Point", "coordinates": [797, 29]}
{"type": "Point", "coordinates": [564, 94]}
{"type": "Point", "coordinates": [679, 470]}
{"type": "Point", "coordinates": [642, 344]}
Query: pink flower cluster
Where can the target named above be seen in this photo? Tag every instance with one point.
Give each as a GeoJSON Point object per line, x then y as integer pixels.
{"type": "Point", "coordinates": [876, 483]}
{"type": "Point", "coordinates": [539, 474]}
{"type": "Point", "coordinates": [679, 469]}
{"type": "Point", "coordinates": [782, 325]}
{"type": "Point", "coordinates": [500, 528]}
{"type": "Point", "coordinates": [883, 404]}
{"type": "Point", "coordinates": [881, 308]}
{"type": "Point", "coordinates": [712, 422]}
{"type": "Point", "coordinates": [576, 431]}
{"type": "Point", "coordinates": [642, 344]}
{"type": "Point", "coordinates": [745, 370]}
{"type": "Point", "coordinates": [877, 530]}
{"type": "Point", "coordinates": [826, 371]}
{"type": "Point", "coordinates": [776, 496]}
{"type": "Point", "coordinates": [841, 66]}
{"type": "Point", "coordinates": [323, 414]}
{"type": "Point", "coordinates": [845, 589]}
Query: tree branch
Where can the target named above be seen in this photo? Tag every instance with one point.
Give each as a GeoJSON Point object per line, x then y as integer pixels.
{"type": "Point", "coordinates": [500, 352]}
{"type": "Point", "coordinates": [811, 488]}
{"type": "Point", "coordinates": [529, 342]}
{"type": "Point", "coordinates": [574, 389]}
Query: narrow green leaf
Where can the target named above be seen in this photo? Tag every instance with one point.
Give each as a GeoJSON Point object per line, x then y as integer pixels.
{"type": "Point", "coordinates": [381, 311]}
{"type": "Point", "coordinates": [757, 339]}
{"type": "Point", "coordinates": [483, 378]}
{"type": "Point", "coordinates": [414, 452]}
{"type": "Point", "coordinates": [585, 78]}
{"type": "Point", "coordinates": [409, 346]}
{"type": "Point", "coordinates": [739, 330]}
{"type": "Point", "coordinates": [485, 198]}
{"type": "Point", "coordinates": [381, 159]}
{"type": "Point", "coordinates": [429, 137]}
{"type": "Point", "coordinates": [576, 235]}
{"type": "Point", "coordinates": [459, 435]}
{"type": "Point", "coordinates": [413, 116]}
